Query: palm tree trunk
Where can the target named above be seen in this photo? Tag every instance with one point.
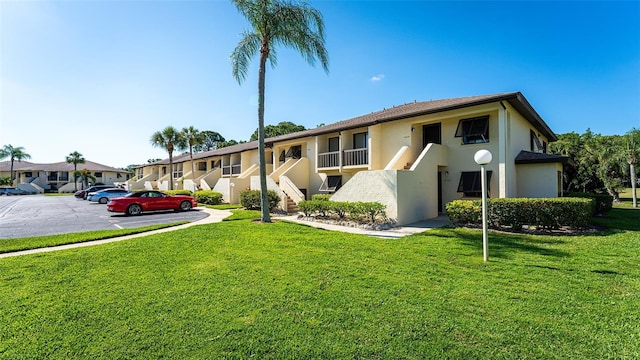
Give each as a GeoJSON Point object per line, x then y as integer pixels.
{"type": "Point", "coordinates": [264, 203]}
{"type": "Point", "coordinates": [75, 180]}
{"type": "Point", "coordinates": [11, 172]}
{"type": "Point", "coordinates": [632, 168]}
{"type": "Point", "coordinates": [193, 179]}
{"type": "Point", "coordinates": [170, 171]}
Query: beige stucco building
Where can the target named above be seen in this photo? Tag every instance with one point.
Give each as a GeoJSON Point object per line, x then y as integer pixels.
{"type": "Point", "coordinates": [414, 158]}
{"type": "Point", "coordinates": [38, 178]}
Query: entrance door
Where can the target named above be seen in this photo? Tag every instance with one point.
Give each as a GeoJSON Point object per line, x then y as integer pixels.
{"type": "Point", "coordinates": [431, 133]}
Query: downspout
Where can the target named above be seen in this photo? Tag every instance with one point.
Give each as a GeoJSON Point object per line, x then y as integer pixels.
{"type": "Point", "coordinates": [503, 188]}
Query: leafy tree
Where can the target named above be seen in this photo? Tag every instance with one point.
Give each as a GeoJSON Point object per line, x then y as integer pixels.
{"type": "Point", "coordinates": [14, 153]}
{"type": "Point", "coordinates": [75, 158]}
{"type": "Point", "coordinates": [192, 137]}
{"type": "Point", "coordinates": [84, 176]}
{"type": "Point", "coordinates": [223, 144]}
{"type": "Point", "coordinates": [210, 141]}
{"type": "Point", "coordinates": [275, 22]}
{"type": "Point", "coordinates": [284, 127]}
{"type": "Point", "coordinates": [169, 139]}
{"type": "Point", "coordinates": [5, 180]}
{"type": "Point", "coordinates": [151, 161]}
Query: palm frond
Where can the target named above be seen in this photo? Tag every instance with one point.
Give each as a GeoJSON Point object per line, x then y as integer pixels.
{"type": "Point", "coordinates": [242, 54]}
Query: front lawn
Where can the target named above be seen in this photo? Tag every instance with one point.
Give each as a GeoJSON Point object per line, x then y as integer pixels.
{"type": "Point", "coordinates": [241, 289]}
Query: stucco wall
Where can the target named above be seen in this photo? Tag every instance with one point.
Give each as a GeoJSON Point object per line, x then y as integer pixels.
{"type": "Point", "coordinates": [538, 180]}
{"type": "Point", "coordinates": [380, 186]}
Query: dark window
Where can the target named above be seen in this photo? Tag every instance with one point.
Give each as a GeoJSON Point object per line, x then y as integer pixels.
{"type": "Point", "coordinates": [331, 183]}
{"type": "Point", "coordinates": [98, 174]}
{"type": "Point", "coordinates": [28, 174]}
{"type": "Point", "coordinates": [431, 134]}
{"type": "Point", "coordinates": [360, 140]}
{"type": "Point", "coordinates": [283, 156]}
{"type": "Point", "coordinates": [164, 170]}
{"type": "Point", "coordinates": [334, 144]}
{"type": "Point", "coordinates": [202, 166]}
{"type": "Point", "coordinates": [474, 130]}
{"type": "Point", "coordinates": [535, 143]}
{"type": "Point", "coordinates": [471, 183]}
{"type": "Point", "coordinates": [64, 176]}
{"type": "Point", "coordinates": [53, 176]}
{"type": "Point", "coordinates": [294, 152]}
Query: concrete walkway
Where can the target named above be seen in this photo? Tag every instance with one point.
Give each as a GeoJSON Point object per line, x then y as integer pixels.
{"type": "Point", "coordinates": [217, 216]}
{"type": "Point", "coordinates": [214, 216]}
{"type": "Point", "coordinates": [392, 233]}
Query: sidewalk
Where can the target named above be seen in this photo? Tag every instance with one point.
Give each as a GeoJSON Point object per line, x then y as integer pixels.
{"type": "Point", "coordinates": [218, 215]}
{"type": "Point", "coordinates": [214, 216]}
{"type": "Point", "coordinates": [392, 233]}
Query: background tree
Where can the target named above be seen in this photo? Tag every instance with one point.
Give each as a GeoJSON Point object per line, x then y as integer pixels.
{"type": "Point", "coordinates": [274, 22]}
{"type": "Point", "coordinates": [13, 153]}
{"type": "Point", "coordinates": [284, 127]}
{"type": "Point", "coordinates": [84, 176]}
{"type": "Point", "coordinates": [231, 142]}
{"type": "Point", "coordinates": [210, 141]}
{"type": "Point", "coordinates": [151, 161]}
{"type": "Point", "coordinates": [75, 158]}
{"type": "Point", "coordinates": [5, 180]}
{"type": "Point", "coordinates": [192, 137]}
{"type": "Point", "coordinates": [169, 139]}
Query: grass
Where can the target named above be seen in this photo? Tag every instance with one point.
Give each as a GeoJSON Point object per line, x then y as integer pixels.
{"type": "Point", "coordinates": [58, 194]}
{"type": "Point", "coordinates": [35, 242]}
{"type": "Point", "coordinates": [241, 289]}
{"type": "Point", "coordinates": [224, 206]}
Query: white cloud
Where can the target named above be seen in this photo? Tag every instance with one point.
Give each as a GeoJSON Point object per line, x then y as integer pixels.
{"type": "Point", "coordinates": [377, 78]}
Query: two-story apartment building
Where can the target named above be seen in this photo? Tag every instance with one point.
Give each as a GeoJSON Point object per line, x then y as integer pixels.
{"type": "Point", "coordinates": [413, 158]}
{"type": "Point", "coordinates": [35, 177]}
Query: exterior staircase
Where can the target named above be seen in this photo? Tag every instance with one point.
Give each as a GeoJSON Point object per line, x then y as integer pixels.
{"type": "Point", "coordinates": [292, 207]}
{"type": "Point", "coordinates": [408, 166]}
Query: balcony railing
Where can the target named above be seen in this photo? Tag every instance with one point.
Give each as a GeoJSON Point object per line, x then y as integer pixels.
{"type": "Point", "coordinates": [177, 174]}
{"type": "Point", "coordinates": [236, 169]}
{"type": "Point", "coordinates": [329, 159]}
{"type": "Point", "coordinates": [226, 170]}
{"type": "Point", "coordinates": [356, 157]}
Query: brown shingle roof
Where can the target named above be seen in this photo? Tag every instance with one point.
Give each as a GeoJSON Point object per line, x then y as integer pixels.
{"type": "Point", "coordinates": [529, 157]}
{"type": "Point", "coordinates": [515, 99]}
{"type": "Point", "coordinates": [59, 166]}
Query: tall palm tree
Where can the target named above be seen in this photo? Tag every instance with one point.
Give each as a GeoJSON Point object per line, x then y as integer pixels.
{"type": "Point", "coordinates": [275, 22]}
{"type": "Point", "coordinates": [169, 139]}
{"type": "Point", "coordinates": [193, 137]}
{"type": "Point", "coordinates": [14, 153]}
{"type": "Point", "coordinates": [75, 158]}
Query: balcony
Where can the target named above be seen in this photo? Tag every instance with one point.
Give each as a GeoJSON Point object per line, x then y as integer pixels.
{"type": "Point", "coordinates": [236, 169]}
{"type": "Point", "coordinates": [177, 174]}
{"type": "Point", "coordinates": [356, 157]}
{"type": "Point", "coordinates": [353, 157]}
{"type": "Point", "coordinates": [328, 160]}
{"type": "Point", "coordinates": [226, 170]}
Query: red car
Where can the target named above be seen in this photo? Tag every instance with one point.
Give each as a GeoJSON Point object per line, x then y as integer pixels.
{"type": "Point", "coordinates": [138, 202]}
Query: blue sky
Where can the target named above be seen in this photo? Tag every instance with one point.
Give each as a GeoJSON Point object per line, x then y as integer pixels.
{"type": "Point", "coordinates": [99, 77]}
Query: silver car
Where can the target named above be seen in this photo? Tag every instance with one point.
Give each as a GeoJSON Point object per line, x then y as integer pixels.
{"type": "Point", "coordinates": [103, 196]}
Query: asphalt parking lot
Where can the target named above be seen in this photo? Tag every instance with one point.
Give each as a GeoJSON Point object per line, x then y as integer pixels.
{"type": "Point", "coordinates": [35, 215]}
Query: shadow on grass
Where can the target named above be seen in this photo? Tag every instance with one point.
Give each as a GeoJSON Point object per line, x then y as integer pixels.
{"type": "Point", "coordinates": [619, 219]}
{"type": "Point", "coordinates": [501, 244]}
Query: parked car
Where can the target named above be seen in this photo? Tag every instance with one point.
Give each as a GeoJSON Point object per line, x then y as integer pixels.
{"type": "Point", "coordinates": [136, 203]}
{"type": "Point", "coordinates": [83, 194]}
{"type": "Point", "coordinates": [103, 196]}
{"type": "Point", "coordinates": [12, 191]}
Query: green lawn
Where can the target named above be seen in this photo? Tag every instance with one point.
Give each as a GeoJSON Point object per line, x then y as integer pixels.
{"type": "Point", "coordinates": [241, 289]}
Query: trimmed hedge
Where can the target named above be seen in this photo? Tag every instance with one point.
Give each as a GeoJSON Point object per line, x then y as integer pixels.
{"type": "Point", "coordinates": [208, 197]}
{"type": "Point", "coordinates": [358, 211]}
{"type": "Point", "coordinates": [179, 192]}
{"type": "Point", "coordinates": [250, 199]}
{"type": "Point", "coordinates": [514, 213]}
{"type": "Point", "coordinates": [602, 203]}
{"type": "Point", "coordinates": [322, 197]}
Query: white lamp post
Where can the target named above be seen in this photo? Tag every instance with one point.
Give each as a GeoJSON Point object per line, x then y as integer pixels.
{"type": "Point", "coordinates": [482, 158]}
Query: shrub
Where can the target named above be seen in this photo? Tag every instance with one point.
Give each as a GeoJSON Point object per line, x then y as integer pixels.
{"type": "Point", "coordinates": [179, 192]}
{"type": "Point", "coordinates": [546, 213]}
{"type": "Point", "coordinates": [250, 199]}
{"type": "Point", "coordinates": [321, 197]}
{"type": "Point", "coordinates": [602, 203]}
{"type": "Point", "coordinates": [208, 197]}
{"type": "Point", "coordinates": [357, 211]}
